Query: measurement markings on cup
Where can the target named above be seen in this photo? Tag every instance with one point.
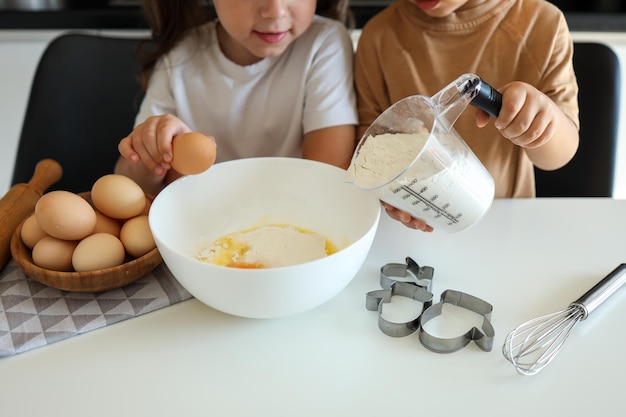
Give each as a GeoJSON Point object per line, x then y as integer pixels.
{"type": "Point", "coordinates": [430, 203]}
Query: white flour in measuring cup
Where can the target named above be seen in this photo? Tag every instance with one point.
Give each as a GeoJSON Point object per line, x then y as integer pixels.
{"type": "Point", "coordinates": [446, 185]}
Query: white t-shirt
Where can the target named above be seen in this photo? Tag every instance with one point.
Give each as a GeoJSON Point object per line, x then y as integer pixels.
{"type": "Point", "coordinates": [262, 109]}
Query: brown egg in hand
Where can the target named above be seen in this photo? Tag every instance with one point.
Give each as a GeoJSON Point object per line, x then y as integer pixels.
{"type": "Point", "coordinates": [193, 153]}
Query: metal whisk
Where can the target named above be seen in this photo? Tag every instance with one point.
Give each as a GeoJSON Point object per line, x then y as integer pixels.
{"type": "Point", "coordinates": [534, 344]}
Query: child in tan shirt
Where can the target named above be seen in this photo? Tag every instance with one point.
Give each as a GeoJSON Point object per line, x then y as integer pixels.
{"type": "Point", "coordinates": [521, 47]}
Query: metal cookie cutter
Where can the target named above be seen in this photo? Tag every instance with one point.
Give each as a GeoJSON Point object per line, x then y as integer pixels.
{"type": "Point", "coordinates": [422, 276]}
{"type": "Point", "coordinates": [376, 299]}
{"type": "Point", "coordinates": [483, 337]}
{"type": "Point", "coordinates": [418, 289]}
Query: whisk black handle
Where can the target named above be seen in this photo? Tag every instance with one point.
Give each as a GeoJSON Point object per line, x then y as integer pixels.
{"type": "Point", "coordinates": [592, 299]}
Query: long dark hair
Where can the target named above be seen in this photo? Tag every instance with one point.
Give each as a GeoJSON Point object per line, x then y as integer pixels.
{"type": "Point", "coordinates": [171, 20]}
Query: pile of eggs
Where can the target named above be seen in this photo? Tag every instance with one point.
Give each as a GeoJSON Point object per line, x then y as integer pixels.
{"type": "Point", "coordinates": [69, 233]}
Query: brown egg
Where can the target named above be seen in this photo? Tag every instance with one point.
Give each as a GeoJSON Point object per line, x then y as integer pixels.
{"type": "Point", "coordinates": [137, 236]}
{"type": "Point", "coordinates": [65, 215]}
{"type": "Point", "coordinates": [193, 153]}
{"type": "Point", "coordinates": [146, 209]}
{"type": "Point", "coordinates": [53, 253]}
{"type": "Point", "coordinates": [31, 232]}
{"type": "Point", "coordinates": [98, 251]}
{"type": "Point", "coordinates": [118, 196]}
{"type": "Point", "coordinates": [105, 224]}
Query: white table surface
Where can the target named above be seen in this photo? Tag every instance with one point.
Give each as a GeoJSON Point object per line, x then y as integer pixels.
{"type": "Point", "coordinates": [526, 257]}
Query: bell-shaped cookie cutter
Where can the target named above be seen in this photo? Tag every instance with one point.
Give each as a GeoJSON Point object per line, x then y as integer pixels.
{"type": "Point", "coordinates": [482, 337]}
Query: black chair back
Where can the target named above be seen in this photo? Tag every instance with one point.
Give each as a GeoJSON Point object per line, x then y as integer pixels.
{"type": "Point", "coordinates": [591, 172]}
{"type": "Point", "coordinates": [83, 101]}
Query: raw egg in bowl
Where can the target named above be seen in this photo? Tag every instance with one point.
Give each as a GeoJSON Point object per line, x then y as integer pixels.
{"type": "Point", "coordinates": [264, 237]}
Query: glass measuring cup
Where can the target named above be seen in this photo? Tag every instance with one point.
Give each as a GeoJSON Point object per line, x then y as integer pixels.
{"type": "Point", "coordinates": [412, 157]}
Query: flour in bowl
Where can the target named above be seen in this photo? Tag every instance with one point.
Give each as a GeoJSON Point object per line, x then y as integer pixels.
{"type": "Point", "coordinates": [269, 246]}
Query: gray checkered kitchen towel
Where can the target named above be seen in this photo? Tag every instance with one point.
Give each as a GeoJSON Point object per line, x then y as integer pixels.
{"type": "Point", "coordinates": [34, 315]}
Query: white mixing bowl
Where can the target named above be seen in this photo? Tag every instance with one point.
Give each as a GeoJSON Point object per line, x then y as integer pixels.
{"type": "Point", "coordinates": [241, 194]}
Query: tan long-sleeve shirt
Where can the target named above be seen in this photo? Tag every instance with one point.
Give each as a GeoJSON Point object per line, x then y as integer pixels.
{"type": "Point", "coordinates": [402, 52]}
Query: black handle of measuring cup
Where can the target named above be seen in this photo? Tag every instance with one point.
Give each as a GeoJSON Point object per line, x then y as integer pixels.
{"type": "Point", "coordinates": [488, 99]}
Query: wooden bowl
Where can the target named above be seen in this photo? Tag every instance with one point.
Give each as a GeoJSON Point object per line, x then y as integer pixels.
{"type": "Point", "coordinates": [92, 281]}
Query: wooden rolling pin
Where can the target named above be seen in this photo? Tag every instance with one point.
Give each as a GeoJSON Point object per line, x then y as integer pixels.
{"type": "Point", "coordinates": [19, 202]}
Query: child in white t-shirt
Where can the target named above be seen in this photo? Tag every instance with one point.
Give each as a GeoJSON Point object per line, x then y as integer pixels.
{"type": "Point", "coordinates": [266, 78]}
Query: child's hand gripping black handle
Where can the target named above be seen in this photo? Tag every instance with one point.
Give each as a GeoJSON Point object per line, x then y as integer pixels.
{"type": "Point", "coordinates": [487, 99]}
